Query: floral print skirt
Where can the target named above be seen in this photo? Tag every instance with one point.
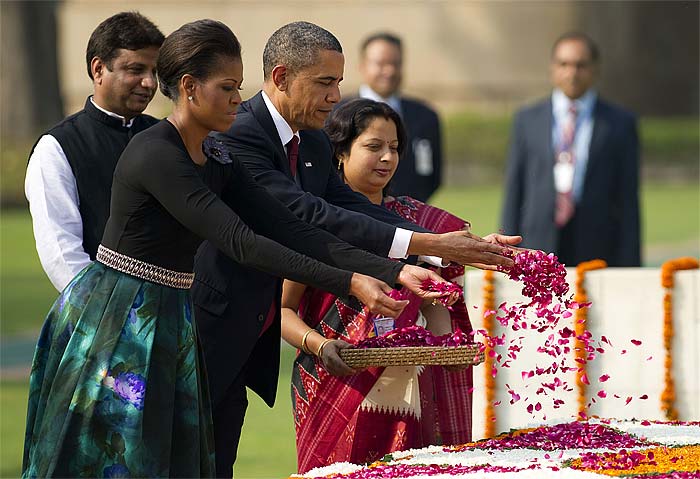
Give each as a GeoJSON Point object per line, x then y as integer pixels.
{"type": "Point", "coordinates": [116, 388]}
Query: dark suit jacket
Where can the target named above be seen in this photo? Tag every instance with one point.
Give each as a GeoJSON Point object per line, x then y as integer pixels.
{"type": "Point", "coordinates": [322, 198]}
{"type": "Point", "coordinates": [232, 301]}
{"type": "Point", "coordinates": [418, 178]}
{"type": "Point", "coordinates": [606, 222]}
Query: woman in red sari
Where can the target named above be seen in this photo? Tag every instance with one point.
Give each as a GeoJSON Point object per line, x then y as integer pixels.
{"type": "Point", "coordinates": [342, 414]}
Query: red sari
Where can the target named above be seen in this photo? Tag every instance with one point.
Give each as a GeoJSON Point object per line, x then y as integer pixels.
{"type": "Point", "coordinates": [362, 417]}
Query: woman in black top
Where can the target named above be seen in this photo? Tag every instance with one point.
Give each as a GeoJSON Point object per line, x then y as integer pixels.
{"type": "Point", "coordinates": [116, 388]}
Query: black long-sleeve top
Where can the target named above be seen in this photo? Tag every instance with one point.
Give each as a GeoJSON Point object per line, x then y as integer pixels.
{"type": "Point", "coordinates": [164, 205]}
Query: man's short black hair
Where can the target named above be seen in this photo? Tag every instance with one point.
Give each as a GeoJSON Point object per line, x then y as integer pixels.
{"type": "Point", "coordinates": [582, 37]}
{"type": "Point", "coordinates": [384, 36]}
{"type": "Point", "coordinates": [125, 30]}
{"type": "Point", "coordinates": [297, 46]}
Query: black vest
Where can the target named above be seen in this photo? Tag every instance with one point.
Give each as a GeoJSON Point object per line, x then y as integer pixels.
{"type": "Point", "coordinates": [93, 142]}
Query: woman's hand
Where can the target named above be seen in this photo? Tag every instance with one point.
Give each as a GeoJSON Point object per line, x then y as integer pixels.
{"type": "Point", "coordinates": [454, 297]}
{"type": "Point", "coordinates": [413, 277]}
{"type": "Point", "coordinates": [330, 357]}
{"type": "Point", "coordinates": [374, 294]}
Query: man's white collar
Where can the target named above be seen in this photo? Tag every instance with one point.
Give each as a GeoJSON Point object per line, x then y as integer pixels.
{"type": "Point", "coordinates": [393, 101]}
{"type": "Point", "coordinates": [584, 104]}
{"type": "Point", "coordinates": [284, 131]}
{"type": "Point", "coordinates": [124, 121]}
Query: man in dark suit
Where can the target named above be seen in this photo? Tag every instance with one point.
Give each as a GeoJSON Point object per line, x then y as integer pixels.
{"type": "Point", "coordinates": [420, 170]}
{"type": "Point", "coordinates": [572, 179]}
{"type": "Point", "coordinates": [277, 136]}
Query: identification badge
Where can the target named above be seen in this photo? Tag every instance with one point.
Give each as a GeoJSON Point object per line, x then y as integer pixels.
{"type": "Point", "coordinates": [383, 325]}
{"type": "Point", "coordinates": [563, 176]}
{"type": "Point", "coordinates": [423, 154]}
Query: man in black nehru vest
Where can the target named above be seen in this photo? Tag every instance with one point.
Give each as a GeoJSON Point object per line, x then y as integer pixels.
{"type": "Point", "coordinates": [69, 176]}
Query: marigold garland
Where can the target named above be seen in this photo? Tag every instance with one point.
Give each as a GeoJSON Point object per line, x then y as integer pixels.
{"type": "Point", "coordinates": [490, 380]}
{"type": "Point", "coordinates": [668, 269]}
{"type": "Point", "coordinates": [644, 462]}
{"type": "Point", "coordinates": [580, 318]}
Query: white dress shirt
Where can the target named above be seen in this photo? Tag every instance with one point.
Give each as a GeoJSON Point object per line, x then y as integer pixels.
{"type": "Point", "coordinates": [393, 101]}
{"type": "Point", "coordinates": [402, 237]}
{"type": "Point", "coordinates": [52, 192]}
{"type": "Point", "coordinates": [584, 131]}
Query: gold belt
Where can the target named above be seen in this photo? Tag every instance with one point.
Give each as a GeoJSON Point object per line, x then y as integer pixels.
{"type": "Point", "coordinates": [143, 270]}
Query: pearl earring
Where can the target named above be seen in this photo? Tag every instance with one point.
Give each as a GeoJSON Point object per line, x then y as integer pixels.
{"type": "Point", "coordinates": [189, 98]}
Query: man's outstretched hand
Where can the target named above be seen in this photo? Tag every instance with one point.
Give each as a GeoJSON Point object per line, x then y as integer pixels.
{"type": "Point", "coordinates": [499, 239]}
{"type": "Point", "coordinates": [464, 247]}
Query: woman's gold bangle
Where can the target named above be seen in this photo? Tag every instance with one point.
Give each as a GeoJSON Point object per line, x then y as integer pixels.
{"type": "Point", "coordinates": [304, 348]}
{"type": "Point", "coordinates": [320, 348]}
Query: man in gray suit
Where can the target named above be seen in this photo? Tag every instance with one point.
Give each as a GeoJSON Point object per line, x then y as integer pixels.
{"type": "Point", "coordinates": [572, 178]}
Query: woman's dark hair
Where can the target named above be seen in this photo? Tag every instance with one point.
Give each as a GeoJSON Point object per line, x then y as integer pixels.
{"type": "Point", "coordinates": [350, 119]}
{"type": "Point", "coordinates": [125, 30]}
{"type": "Point", "coordinates": [196, 48]}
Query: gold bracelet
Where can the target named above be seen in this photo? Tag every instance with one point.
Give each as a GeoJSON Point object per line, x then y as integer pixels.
{"type": "Point", "coordinates": [304, 348]}
{"type": "Point", "coordinates": [320, 348]}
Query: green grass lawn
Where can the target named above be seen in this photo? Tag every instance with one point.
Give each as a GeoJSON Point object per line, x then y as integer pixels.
{"type": "Point", "coordinates": [13, 412]}
{"type": "Point", "coordinates": [671, 228]}
{"type": "Point", "coordinates": [269, 430]}
{"type": "Point", "coordinates": [25, 292]}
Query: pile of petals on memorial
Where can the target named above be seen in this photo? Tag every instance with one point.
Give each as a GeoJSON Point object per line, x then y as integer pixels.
{"type": "Point", "coordinates": [578, 449]}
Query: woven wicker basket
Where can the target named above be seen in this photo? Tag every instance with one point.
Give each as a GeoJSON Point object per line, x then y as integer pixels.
{"type": "Point", "coordinates": [407, 356]}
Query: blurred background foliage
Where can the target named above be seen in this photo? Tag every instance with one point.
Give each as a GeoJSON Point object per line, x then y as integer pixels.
{"type": "Point", "coordinates": [475, 147]}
